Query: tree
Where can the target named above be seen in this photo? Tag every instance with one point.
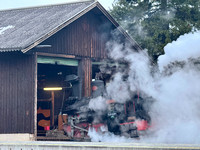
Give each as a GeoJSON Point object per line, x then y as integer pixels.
{"type": "Point", "coordinates": [155, 23]}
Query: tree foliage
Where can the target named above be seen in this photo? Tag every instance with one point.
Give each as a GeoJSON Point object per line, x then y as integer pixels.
{"type": "Point", "coordinates": [154, 23]}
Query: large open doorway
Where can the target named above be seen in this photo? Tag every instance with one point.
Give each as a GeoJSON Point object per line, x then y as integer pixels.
{"type": "Point", "coordinates": [54, 111]}
{"type": "Point", "coordinates": [51, 92]}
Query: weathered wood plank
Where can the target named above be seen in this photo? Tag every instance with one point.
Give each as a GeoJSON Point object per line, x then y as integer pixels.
{"type": "Point", "coordinates": [16, 93]}
{"type": "Point", "coordinates": [82, 38]}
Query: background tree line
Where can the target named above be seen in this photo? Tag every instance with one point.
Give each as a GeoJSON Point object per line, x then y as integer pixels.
{"type": "Point", "coordinates": [154, 23]}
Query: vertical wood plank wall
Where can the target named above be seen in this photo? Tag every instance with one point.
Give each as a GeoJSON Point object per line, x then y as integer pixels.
{"type": "Point", "coordinates": [82, 38]}
{"type": "Point", "coordinates": [86, 75]}
{"type": "Point", "coordinates": [16, 93]}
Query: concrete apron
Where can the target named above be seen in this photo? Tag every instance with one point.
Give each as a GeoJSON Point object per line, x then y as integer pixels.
{"type": "Point", "coordinates": [41, 145]}
{"type": "Point", "coordinates": [17, 137]}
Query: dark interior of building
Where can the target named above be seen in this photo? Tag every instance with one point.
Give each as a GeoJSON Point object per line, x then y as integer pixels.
{"type": "Point", "coordinates": [51, 76]}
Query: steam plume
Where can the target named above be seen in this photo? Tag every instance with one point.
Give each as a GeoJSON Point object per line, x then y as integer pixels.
{"type": "Point", "coordinates": [175, 112]}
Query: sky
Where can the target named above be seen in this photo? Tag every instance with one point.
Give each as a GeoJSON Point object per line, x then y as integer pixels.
{"type": "Point", "coordinates": [8, 4]}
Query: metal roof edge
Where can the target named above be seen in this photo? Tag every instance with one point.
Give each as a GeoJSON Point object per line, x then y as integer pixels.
{"type": "Point", "coordinates": [135, 44]}
{"type": "Point", "coordinates": [10, 49]}
{"type": "Point", "coordinates": [61, 26]}
{"type": "Point", "coordinates": [104, 11]}
{"type": "Point", "coordinates": [120, 28]}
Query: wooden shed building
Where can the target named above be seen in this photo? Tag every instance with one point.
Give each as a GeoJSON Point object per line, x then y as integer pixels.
{"type": "Point", "coordinates": [39, 46]}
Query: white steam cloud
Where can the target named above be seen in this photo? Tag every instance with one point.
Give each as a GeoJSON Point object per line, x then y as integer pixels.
{"type": "Point", "coordinates": [107, 137]}
{"type": "Point", "coordinates": [175, 114]}
{"type": "Point", "coordinates": [118, 89]}
{"type": "Point", "coordinates": [98, 104]}
{"type": "Point", "coordinates": [186, 46]}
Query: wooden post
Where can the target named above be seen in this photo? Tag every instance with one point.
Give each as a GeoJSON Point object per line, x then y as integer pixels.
{"type": "Point", "coordinates": [52, 108]}
{"type": "Point", "coordinates": [52, 89]}
{"type": "Point", "coordinates": [85, 71]}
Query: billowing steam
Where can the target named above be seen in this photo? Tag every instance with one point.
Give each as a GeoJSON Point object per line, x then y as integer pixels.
{"type": "Point", "coordinates": [98, 104]}
{"type": "Point", "coordinates": [107, 137]}
{"type": "Point", "coordinates": [118, 89]}
{"type": "Point", "coordinates": [175, 113]}
{"type": "Point", "coordinates": [187, 46]}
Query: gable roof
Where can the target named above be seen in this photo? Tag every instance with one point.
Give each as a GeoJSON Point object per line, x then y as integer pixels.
{"type": "Point", "coordinates": [23, 29]}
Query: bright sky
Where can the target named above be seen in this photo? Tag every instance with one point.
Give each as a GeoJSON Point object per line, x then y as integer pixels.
{"type": "Point", "coordinates": [8, 4]}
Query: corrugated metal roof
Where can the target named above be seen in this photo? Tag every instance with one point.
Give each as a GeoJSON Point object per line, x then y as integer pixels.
{"type": "Point", "coordinates": [21, 28]}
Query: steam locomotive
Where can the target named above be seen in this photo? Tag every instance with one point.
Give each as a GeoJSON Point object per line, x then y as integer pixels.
{"type": "Point", "coordinates": [128, 119]}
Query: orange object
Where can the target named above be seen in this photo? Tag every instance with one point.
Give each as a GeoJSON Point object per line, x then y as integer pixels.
{"type": "Point", "coordinates": [45, 112]}
{"type": "Point", "coordinates": [44, 123]}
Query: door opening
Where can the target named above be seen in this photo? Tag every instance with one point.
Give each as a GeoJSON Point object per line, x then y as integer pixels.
{"type": "Point", "coordinates": [49, 101]}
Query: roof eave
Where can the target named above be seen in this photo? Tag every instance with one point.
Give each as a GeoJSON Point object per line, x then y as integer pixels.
{"type": "Point", "coordinates": [10, 49]}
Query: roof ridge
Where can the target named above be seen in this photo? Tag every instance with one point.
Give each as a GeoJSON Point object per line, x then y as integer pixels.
{"type": "Point", "coordinates": [48, 5]}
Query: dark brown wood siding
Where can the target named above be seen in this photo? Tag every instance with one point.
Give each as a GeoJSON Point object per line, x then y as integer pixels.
{"type": "Point", "coordinates": [17, 93]}
{"type": "Point", "coordinates": [84, 38]}
{"type": "Point", "coordinates": [85, 73]}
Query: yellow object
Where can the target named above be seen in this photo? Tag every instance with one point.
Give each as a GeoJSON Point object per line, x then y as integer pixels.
{"type": "Point", "coordinates": [53, 89]}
